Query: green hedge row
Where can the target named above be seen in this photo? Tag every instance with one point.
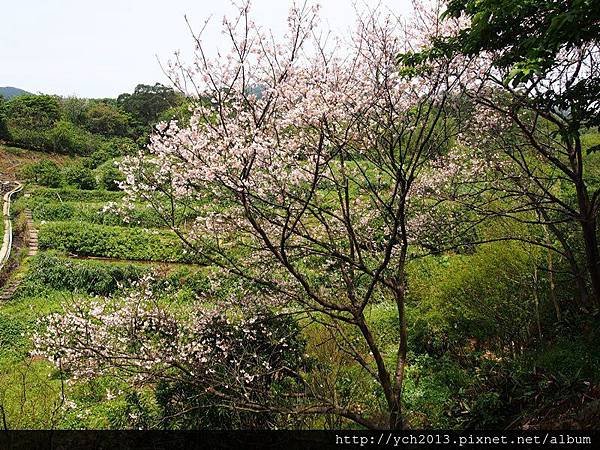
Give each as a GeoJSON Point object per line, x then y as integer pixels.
{"type": "Point", "coordinates": [50, 271]}
{"type": "Point", "coordinates": [139, 216]}
{"type": "Point", "coordinates": [93, 213]}
{"type": "Point", "coordinates": [87, 239]}
{"type": "Point", "coordinates": [75, 195]}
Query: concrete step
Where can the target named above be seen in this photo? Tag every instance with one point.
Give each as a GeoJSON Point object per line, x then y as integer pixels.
{"type": "Point", "coordinates": [9, 290]}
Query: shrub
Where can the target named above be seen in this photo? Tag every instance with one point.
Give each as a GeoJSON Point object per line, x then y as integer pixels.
{"type": "Point", "coordinates": [113, 242]}
{"type": "Point", "coordinates": [29, 138]}
{"type": "Point", "coordinates": [67, 138]}
{"type": "Point", "coordinates": [45, 173]}
{"type": "Point", "coordinates": [120, 146]}
{"type": "Point", "coordinates": [432, 391]}
{"type": "Point", "coordinates": [48, 270]}
{"type": "Point", "coordinates": [52, 211]}
{"type": "Point", "coordinates": [33, 112]}
{"type": "Point", "coordinates": [110, 177]}
{"type": "Point", "coordinates": [270, 341]}
{"type": "Point", "coordinates": [486, 296]}
{"type": "Point", "coordinates": [106, 119]}
{"type": "Point", "coordinates": [80, 177]}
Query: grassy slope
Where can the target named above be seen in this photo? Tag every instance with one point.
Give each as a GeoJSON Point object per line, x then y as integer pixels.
{"type": "Point", "coordinates": [13, 159]}
{"type": "Point", "coordinates": [431, 385]}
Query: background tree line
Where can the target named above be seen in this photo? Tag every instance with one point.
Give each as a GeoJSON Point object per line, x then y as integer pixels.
{"type": "Point", "coordinates": [79, 126]}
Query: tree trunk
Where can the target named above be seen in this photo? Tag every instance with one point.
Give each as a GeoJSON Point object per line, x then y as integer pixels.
{"type": "Point", "coordinates": [592, 256]}
{"type": "Point", "coordinates": [396, 419]}
{"type": "Point", "coordinates": [587, 220]}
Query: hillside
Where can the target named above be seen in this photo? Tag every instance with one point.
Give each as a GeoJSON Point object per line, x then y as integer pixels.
{"type": "Point", "coordinates": [13, 159]}
{"type": "Point", "coordinates": [9, 92]}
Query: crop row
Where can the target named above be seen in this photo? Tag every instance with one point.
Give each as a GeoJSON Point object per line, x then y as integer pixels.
{"type": "Point", "coordinates": [75, 195]}
{"type": "Point", "coordinates": [114, 242]}
{"type": "Point", "coordinates": [51, 271]}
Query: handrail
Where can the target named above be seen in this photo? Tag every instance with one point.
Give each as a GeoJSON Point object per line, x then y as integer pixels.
{"type": "Point", "coordinates": [8, 235]}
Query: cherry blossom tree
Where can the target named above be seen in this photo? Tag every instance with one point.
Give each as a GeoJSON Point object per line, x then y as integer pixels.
{"type": "Point", "coordinates": [306, 174]}
{"type": "Point", "coordinates": [200, 359]}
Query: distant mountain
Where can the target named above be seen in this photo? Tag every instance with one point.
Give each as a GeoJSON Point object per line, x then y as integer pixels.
{"type": "Point", "coordinates": [10, 92]}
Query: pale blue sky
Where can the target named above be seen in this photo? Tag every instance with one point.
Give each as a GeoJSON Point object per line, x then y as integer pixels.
{"type": "Point", "coordinates": [101, 48]}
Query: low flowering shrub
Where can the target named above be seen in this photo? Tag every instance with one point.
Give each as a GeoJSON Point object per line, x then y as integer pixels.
{"type": "Point", "coordinates": [208, 369]}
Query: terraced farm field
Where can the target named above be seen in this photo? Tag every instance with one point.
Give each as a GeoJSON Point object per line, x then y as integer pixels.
{"type": "Point", "coordinates": [83, 252]}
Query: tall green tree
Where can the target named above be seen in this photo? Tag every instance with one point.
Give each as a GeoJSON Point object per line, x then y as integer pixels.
{"type": "Point", "coordinates": [37, 112]}
{"type": "Point", "coordinates": [105, 119]}
{"type": "Point", "coordinates": [543, 74]}
{"type": "Point", "coordinates": [147, 102]}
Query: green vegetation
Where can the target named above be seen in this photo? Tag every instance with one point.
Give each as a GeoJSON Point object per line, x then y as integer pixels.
{"type": "Point", "coordinates": [89, 127]}
{"type": "Point", "coordinates": [465, 310]}
{"type": "Point", "coordinates": [113, 242]}
{"type": "Point", "coordinates": [69, 194]}
{"type": "Point", "coordinates": [429, 262]}
{"type": "Point", "coordinates": [54, 272]}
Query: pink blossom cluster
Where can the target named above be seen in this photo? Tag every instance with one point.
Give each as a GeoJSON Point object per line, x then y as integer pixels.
{"type": "Point", "coordinates": [273, 120]}
{"type": "Point", "coordinates": [137, 337]}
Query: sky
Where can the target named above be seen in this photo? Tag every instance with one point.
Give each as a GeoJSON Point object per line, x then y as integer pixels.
{"type": "Point", "coordinates": [102, 48]}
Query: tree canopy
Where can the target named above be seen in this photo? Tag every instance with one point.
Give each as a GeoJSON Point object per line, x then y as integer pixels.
{"type": "Point", "coordinates": [147, 102]}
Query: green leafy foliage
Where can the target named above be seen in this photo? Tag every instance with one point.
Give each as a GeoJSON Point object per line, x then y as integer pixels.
{"type": "Point", "coordinates": [38, 112]}
{"type": "Point", "coordinates": [486, 296]}
{"type": "Point", "coordinates": [70, 194]}
{"type": "Point", "coordinates": [109, 177]}
{"type": "Point", "coordinates": [45, 173]}
{"type": "Point", "coordinates": [80, 177]}
{"type": "Point", "coordinates": [51, 271]}
{"type": "Point", "coordinates": [77, 126]}
{"type": "Point", "coordinates": [147, 102]}
{"type": "Point", "coordinates": [529, 32]}
{"type": "Point", "coordinates": [183, 407]}
{"type": "Point", "coordinates": [105, 119]}
{"type": "Point", "coordinates": [52, 210]}
{"type": "Point", "coordinates": [113, 242]}
{"type": "Point", "coordinates": [67, 138]}
{"type": "Point", "coordinates": [3, 126]}
{"type": "Point", "coordinates": [525, 39]}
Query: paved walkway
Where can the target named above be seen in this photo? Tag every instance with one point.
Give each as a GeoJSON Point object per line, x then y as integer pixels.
{"type": "Point", "coordinates": [7, 238]}
{"type": "Point", "coordinates": [13, 283]}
